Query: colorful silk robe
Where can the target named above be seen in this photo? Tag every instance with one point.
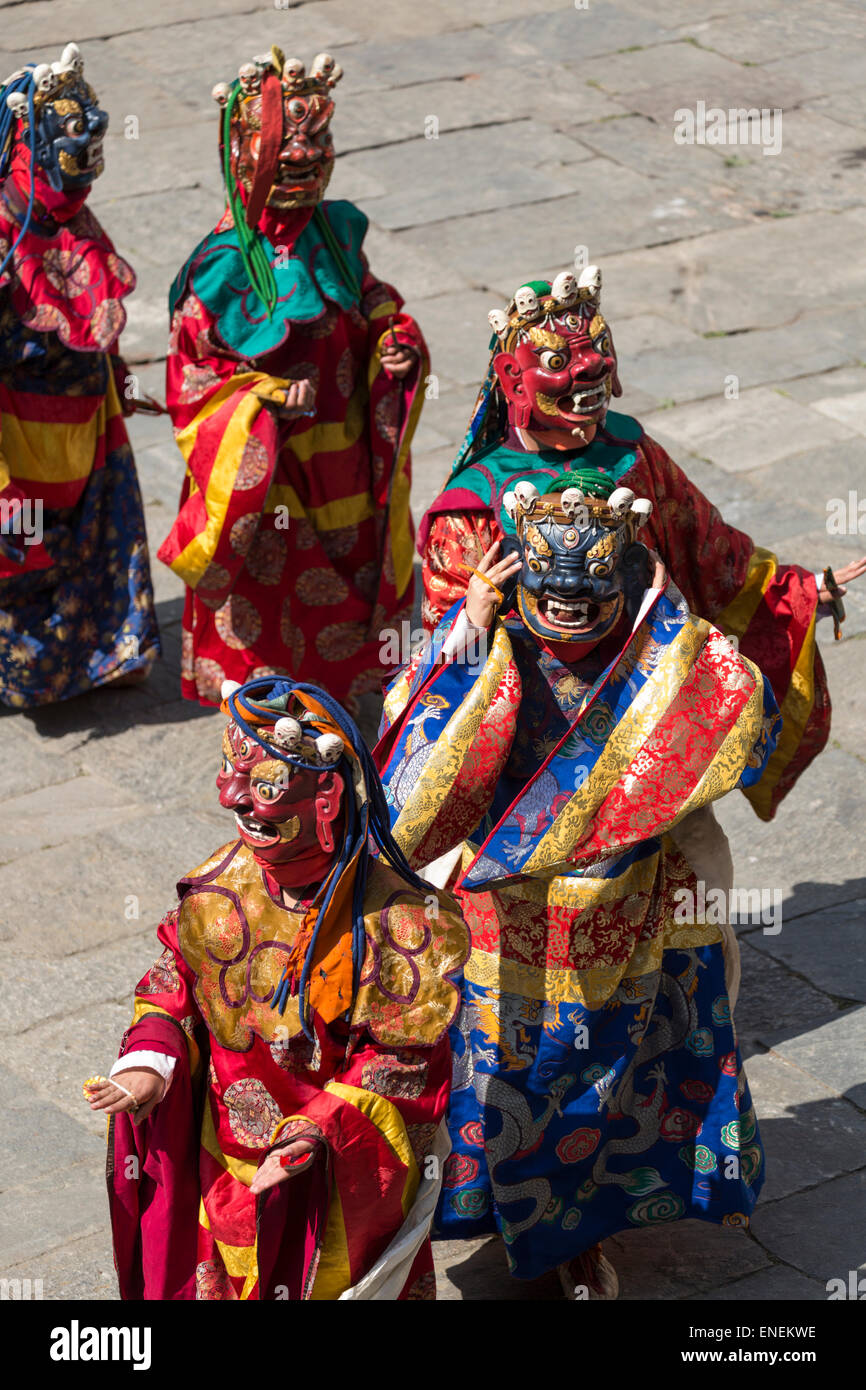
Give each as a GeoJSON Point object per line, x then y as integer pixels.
{"type": "Point", "coordinates": [76, 604]}
{"type": "Point", "coordinates": [597, 1081]}
{"type": "Point", "coordinates": [374, 1091]}
{"type": "Point", "coordinates": [294, 539]}
{"type": "Point", "coordinates": [724, 577]}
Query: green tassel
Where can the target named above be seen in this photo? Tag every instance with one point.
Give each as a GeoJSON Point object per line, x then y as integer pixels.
{"type": "Point", "coordinates": [253, 255]}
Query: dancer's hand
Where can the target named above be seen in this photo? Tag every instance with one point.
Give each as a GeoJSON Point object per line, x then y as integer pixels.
{"type": "Point", "coordinates": [483, 596]}
{"type": "Point", "coordinates": [843, 577]}
{"type": "Point", "coordinates": [397, 359]}
{"type": "Point", "coordinates": [147, 1089]}
{"type": "Point", "coordinates": [298, 1152]}
{"type": "Point", "coordinates": [298, 399]}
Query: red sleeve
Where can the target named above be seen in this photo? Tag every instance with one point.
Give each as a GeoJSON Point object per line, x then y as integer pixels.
{"type": "Point", "coordinates": [453, 542]}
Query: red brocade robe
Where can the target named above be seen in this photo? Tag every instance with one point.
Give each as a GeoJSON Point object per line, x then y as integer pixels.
{"type": "Point", "coordinates": [294, 538]}
{"type": "Point", "coordinates": [723, 576]}
{"type": "Point", "coordinates": [374, 1091]}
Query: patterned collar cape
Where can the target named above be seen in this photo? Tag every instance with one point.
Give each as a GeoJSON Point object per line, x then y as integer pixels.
{"type": "Point", "coordinates": [613, 796]}
{"type": "Point", "coordinates": [64, 275]}
{"type": "Point", "coordinates": [769, 607]}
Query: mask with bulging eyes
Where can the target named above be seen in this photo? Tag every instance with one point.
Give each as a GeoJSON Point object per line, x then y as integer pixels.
{"type": "Point", "coordinates": [290, 817]}
{"type": "Point", "coordinates": [69, 134]}
{"type": "Point", "coordinates": [582, 568]}
{"type": "Point", "coordinates": [557, 365]}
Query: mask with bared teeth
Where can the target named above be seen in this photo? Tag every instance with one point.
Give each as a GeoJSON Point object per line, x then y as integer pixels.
{"type": "Point", "coordinates": [583, 569]}
{"type": "Point", "coordinates": [282, 782]}
{"type": "Point", "coordinates": [556, 363]}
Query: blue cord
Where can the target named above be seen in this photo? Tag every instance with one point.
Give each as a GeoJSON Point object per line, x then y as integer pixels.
{"type": "Point", "coordinates": [21, 84]}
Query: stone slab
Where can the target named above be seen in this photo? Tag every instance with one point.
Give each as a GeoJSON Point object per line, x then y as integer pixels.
{"type": "Point", "coordinates": [828, 948]}
{"type": "Point", "coordinates": [756, 428]}
{"type": "Point", "coordinates": [25, 765]}
{"type": "Point", "coordinates": [51, 1063]}
{"type": "Point", "coordinates": [774, 87]}
{"type": "Point", "coordinates": [80, 1269]}
{"type": "Point", "coordinates": [680, 1260]}
{"type": "Point", "coordinates": [638, 143]}
{"type": "Point", "coordinates": [86, 893]}
{"type": "Point", "coordinates": [819, 1232]}
{"type": "Point", "coordinates": [689, 371]}
{"type": "Point", "coordinates": [463, 172]}
{"type": "Point", "coordinates": [710, 282]}
{"type": "Point", "coordinates": [777, 1283]}
{"type": "Point", "coordinates": [772, 996]}
{"type": "Point", "coordinates": [578, 35]}
{"type": "Point", "coordinates": [848, 107]}
{"type": "Point", "coordinates": [27, 24]}
{"type": "Point", "coordinates": [473, 100]}
{"type": "Point", "coordinates": [846, 672]}
{"type": "Point", "coordinates": [457, 333]}
{"type": "Point", "coordinates": [637, 69]}
{"type": "Point", "coordinates": [35, 988]}
{"type": "Point", "coordinates": [177, 50]}
{"type": "Point", "coordinates": [836, 68]}
{"type": "Point", "coordinates": [382, 63]}
{"type": "Point", "coordinates": [761, 32]}
{"type": "Point", "coordinates": [415, 268]}
{"type": "Point", "coordinates": [810, 1136]}
{"type": "Point", "coordinates": [816, 167]}
{"type": "Point", "coordinates": [606, 217]}
{"type": "Point", "coordinates": [35, 1126]}
{"type": "Point", "coordinates": [843, 381]}
{"type": "Point", "coordinates": [476, 1269]}
{"type": "Point", "coordinates": [37, 1216]}
{"type": "Point", "coordinates": [788, 854]}
{"type": "Point", "coordinates": [848, 409]}
{"type": "Point", "coordinates": [47, 817]}
{"type": "Point", "coordinates": [834, 1053]}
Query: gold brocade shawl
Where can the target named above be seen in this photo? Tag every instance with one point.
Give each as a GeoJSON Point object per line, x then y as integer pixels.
{"type": "Point", "coordinates": [236, 937]}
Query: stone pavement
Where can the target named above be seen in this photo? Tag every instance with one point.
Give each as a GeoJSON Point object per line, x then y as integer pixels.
{"type": "Point", "coordinates": [555, 129]}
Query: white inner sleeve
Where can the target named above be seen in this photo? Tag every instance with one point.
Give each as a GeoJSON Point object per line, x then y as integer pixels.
{"type": "Point", "coordinates": [462, 633]}
{"type": "Point", "coordinates": [156, 1061]}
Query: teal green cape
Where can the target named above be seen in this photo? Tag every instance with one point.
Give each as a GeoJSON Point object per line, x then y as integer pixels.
{"type": "Point", "coordinates": [306, 274]}
{"type": "Point", "coordinates": [481, 481]}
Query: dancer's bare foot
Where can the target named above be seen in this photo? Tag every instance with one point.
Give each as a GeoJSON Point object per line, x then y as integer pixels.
{"type": "Point", "coordinates": [589, 1275]}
